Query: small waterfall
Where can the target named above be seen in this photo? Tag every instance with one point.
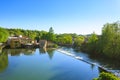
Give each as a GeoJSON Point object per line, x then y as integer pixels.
{"type": "Point", "coordinates": [116, 73]}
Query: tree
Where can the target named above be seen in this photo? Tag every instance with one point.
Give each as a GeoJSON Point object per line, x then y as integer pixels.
{"type": "Point", "coordinates": [92, 43]}
{"type": "Point", "coordinates": [78, 41]}
{"type": "Point", "coordinates": [93, 38]}
{"type": "Point", "coordinates": [64, 39]}
{"type": "Point", "coordinates": [3, 35]}
{"type": "Point", "coordinates": [110, 40]}
{"type": "Point", "coordinates": [51, 30]}
{"type": "Point", "coordinates": [51, 36]}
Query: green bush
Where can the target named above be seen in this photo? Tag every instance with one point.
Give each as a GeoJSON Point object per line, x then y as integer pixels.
{"type": "Point", "coordinates": [106, 76]}
{"type": "Point", "coordinates": [55, 45]}
{"type": "Point", "coordinates": [3, 35]}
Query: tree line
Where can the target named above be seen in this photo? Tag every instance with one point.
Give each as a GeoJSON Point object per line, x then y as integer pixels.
{"type": "Point", "coordinates": [36, 35]}
{"type": "Point", "coordinates": [107, 44]}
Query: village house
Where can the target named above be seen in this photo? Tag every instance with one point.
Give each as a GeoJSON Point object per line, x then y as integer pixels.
{"type": "Point", "coordinates": [20, 41]}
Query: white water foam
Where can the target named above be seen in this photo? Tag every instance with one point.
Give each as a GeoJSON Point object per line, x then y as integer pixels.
{"type": "Point", "coordinates": [81, 58]}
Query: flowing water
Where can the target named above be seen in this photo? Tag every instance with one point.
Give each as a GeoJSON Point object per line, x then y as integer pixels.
{"type": "Point", "coordinates": [107, 64]}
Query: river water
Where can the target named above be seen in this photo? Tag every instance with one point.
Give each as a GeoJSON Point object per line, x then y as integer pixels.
{"type": "Point", "coordinates": [39, 64]}
{"type": "Point", "coordinates": [107, 64]}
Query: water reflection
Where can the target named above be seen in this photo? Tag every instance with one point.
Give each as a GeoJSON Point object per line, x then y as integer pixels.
{"type": "Point", "coordinates": [3, 61]}
{"type": "Point", "coordinates": [28, 51]}
{"type": "Point", "coordinates": [18, 52]}
{"type": "Point", "coordinates": [92, 66]}
{"type": "Point", "coordinates": [42, 50]}
{"type": "Point", "coordinates": [48, 51]}
{"type": "Point", "coordinates": [107, 63]}
{"type": "Point", "coordinates": [41, 66]}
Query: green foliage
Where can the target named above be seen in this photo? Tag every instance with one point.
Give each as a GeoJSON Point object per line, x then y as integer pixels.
{"type": "Point", "coordinates": [110, 40]}
{"type": "Point", "coordinates": [93, 38]}
{"type": "Point", "coordinates": [3, 35]}
{"type": "Point", "coordinates": [51, 45]}
{"type": "Point", "coordinates": [91, 44]}
{"type": "Point", "coordinates": [33, 34]}
{"type": "Point", "coordinates": [108, 44]}
{"type": "Point", "coordinates": [50, 35]}
{"type": "Point", "coordinates": [51, 30]}
{"type": "Point", "coordinates": [64, 39]}
{"type": "Point", "coordinates": [78, 41]}
{"type": "Point", "coordinates": [43, 35]}
{"type": "Point", "coordinates": [55, 46]}
{"type": "Point", "coordinates": [106, 76]}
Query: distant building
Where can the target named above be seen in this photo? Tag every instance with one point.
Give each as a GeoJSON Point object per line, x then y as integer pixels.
{"type": "Point", "coordinates": [16, 42]}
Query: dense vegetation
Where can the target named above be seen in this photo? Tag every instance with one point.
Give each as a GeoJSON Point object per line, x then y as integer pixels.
{"type": "Point", "coordinates": [107, 44]}
{"type": "Point", "coordinates": [64, 39]}
{"type": "Point", "coordinates": [106, 76]}
{"type": "Point", "coordinates": [78, 40]}
{"type": "Point", "coordinates": [3, 35]}
{"type": "Point", "coordinates": [110, 40]}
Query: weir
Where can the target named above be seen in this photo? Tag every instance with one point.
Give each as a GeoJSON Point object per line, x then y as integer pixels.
{"type": "Point", "coordinates": [116, 73]}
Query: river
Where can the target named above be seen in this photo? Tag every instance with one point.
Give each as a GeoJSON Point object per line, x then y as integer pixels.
{"type": "Point", "coordinates": [107, 64]}
{"type": "Point", "coordinates": [39, 64]}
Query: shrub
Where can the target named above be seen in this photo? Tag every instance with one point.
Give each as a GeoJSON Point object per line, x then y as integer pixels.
{"type": "Point", "coordinates": [106, 76]}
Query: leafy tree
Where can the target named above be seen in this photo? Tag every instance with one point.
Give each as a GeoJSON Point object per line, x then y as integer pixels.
{"type": "Point", "coordinates": [93, 38]}
{"type": "Point", "coordinates": [90, 44]}
{"type": "Point", "coordinates": [110, 40]}
{"type": "Point", "coordinates": [51, 30]}
{"type": "Point", "coordinates": [78, 41]}
{"type": "Point", "coordinates": [43, 35]}
{"type": "Point", "coordinates": [51, 36]}
{"type": "Point", "coordinates": [3, 35]}
{"type": "Point", "coordinates": [64, 39]}
{"type": "Point", "coordinates": [32, 35]}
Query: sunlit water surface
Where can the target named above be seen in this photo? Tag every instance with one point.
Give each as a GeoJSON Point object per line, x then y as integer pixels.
{"type": "Point", "coordinates": [37, 64]}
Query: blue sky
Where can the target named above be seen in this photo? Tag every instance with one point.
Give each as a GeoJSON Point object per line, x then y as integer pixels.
{"type": "Point", "coordinates": [65, 16]}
